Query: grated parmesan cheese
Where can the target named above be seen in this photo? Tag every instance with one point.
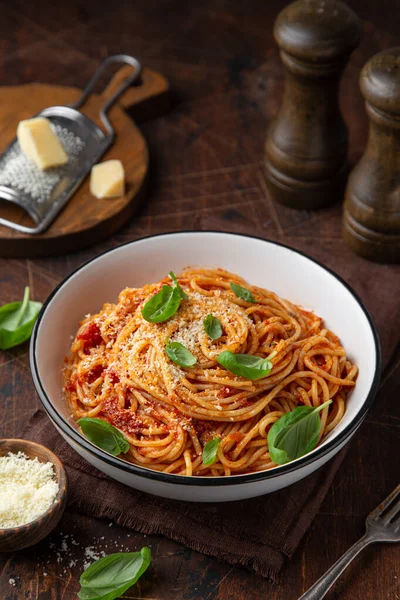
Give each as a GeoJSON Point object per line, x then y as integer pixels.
{"type": "Point", "coordinates": [185, 327]}
{"type": "Point", "coordinates": [27, 489]}
{"type": "Point", "coordinates": [92, 555]}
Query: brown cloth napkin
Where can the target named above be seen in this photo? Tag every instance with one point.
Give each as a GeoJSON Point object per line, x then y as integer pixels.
{"type": "Point", "coordinates": [257, 533]}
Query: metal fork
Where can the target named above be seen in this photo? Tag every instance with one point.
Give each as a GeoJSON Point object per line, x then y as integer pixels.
{"type": "Point", "coordinates": [382, 525]}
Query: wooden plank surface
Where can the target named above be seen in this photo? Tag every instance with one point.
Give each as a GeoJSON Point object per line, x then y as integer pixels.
{"type": "Point", "coordinates": [206, 173]}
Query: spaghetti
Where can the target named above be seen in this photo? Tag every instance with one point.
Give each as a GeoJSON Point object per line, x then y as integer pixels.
{"type": "Point", "coordinates": [118, 371]}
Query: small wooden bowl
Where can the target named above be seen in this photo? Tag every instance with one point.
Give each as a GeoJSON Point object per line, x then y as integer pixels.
{"type": "Point", "coordinates": [16, 538]}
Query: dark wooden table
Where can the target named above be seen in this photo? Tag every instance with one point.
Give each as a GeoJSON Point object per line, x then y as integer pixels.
{"type": "Point", "coordinates": [206, 174]}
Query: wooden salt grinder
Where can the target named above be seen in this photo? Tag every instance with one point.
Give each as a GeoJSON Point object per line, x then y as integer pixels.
{"type": "Point", "coordinates": [371, 218]}
{"type": "Point", "coordinates": [306, 148]}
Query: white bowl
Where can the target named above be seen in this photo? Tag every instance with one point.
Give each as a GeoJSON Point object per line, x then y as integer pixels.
{"type": "Point", "coordinates": [268, 264]}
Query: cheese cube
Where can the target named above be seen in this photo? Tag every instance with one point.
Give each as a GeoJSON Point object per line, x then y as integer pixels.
{"type": "Point", "coordinates": [107, 179]}
{"type": "Point", "coordinates": [39, 142]}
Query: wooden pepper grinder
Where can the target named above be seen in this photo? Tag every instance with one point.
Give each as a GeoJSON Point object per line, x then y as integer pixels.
{"type": "Point", "coordinates": [371, 219]}
{"type": "Point", "coordinates": [306, 148]}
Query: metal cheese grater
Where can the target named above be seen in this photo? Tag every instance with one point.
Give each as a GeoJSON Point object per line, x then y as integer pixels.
{"type": "Point", "coordinates": [43, 194]}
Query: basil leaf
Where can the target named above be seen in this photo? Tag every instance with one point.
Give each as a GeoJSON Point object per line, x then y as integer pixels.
{"type": "Point", "coordinates": [182, 292]}
{"type": "Point", "coordinates": [17, 320]}
{"type": "Point", "coordinates": [245, 365]}
{"type": "Point", "coordinates": [179, 354]}
{"type": "Point", "coordinates": [104, 435]}
{"type": "Point", "coordinates": [213, 327]}
{"type": "Point", "coordinates": [295, 433]}
{"type": "Point", "coordinates": [163, 305]}
{"type": "Point", "coordinates": [109, 577]}
{"type": "Point", "coordinates": [210, 450]}
{"type": "Point", "coordinates": [242, 292]}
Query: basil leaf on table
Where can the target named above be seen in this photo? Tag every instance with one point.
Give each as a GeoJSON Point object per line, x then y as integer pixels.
{"type": "Point", "coordinates": [182, 292]}
{"type": "Point", "coordinates": [241, 292]}
{"type": "Point", "coordinates": [104, 435]}
{"type": "Point", "coordinates": [109, 577]}
{"type": "Point", "coordinates": [213, 327]}
{"type": "Point", "coordinates": [210, 451]}
{"type": "Point", "coordinates": [163, 305]}
{"type": "Point", "coordinates": [295, 433]}
{"type": "Point", "coordinates": [17, 320]}
{"type": "Point", "coordinates": [179, 354]}
{"type": "Point", "coordinates": [245, 365]}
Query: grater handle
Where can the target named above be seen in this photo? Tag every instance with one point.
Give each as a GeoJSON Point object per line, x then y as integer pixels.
{"type": "Point", "coordinates": [117, 58]}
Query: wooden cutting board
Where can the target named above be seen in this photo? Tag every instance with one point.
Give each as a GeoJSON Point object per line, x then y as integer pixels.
{"type": "Point", "coordinates": [85, 220]}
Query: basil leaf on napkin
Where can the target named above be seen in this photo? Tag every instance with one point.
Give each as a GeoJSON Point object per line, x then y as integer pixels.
{"type": "Point", "coordinates": [17, 320]}
{"type": "Point", "coordinates": [245, 365]}
{"type": "Point", "coordinates": [163, 305]}
{"type": "Point", "coordinates": [182, 292]}
{"type": "Point", "coordinates": [109, 577]}
{"type": "Point", "coordinates": [179, 354]}
{"type": "Point", "coordinates": [105, 436]}
{"type": "Point", "coordinates": [241, 292]}
{"type": "Point", "coordinates": [210, 450]}
{"type": "Point", "coordinates": [295, 433]}
{"type": "Point", "coordinates": [213, 327]}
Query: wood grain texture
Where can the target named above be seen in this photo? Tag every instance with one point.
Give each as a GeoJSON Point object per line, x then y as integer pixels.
{"type": "Point", "coordinates": [307, 144]}
{"type": "Point", "coordinates": [371, 218]}
{"type": "Point", "coordinates": [206, 173]}
{"type": "Point", "coordinates": [17, 538]}
{"type": "Point", "coordinates": [85, 219]}
{"type": "Point", "coordinates": [150, 98]}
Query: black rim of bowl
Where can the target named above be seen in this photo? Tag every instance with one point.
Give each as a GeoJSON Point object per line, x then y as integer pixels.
{"type": "Point", "coordinates": [321, 451]}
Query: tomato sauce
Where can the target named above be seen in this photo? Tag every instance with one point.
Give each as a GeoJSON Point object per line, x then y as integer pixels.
{"type": "Point", "coordinates": [204, 429]}
{"type": "Point", "coordinates": [91, 336]}
{"type": "Point", "coordinates": [70, 386]}
{"type": "Point", "coordinates": [121, 417]}
{"type": "Point", "coordinates": [236, 436]}
{"type": "Point", "coordinates": [113, 377]}
{"type": "Point", "coordinates": [227, 391]}
{"type": "Point", "coordinates": [95, 373]}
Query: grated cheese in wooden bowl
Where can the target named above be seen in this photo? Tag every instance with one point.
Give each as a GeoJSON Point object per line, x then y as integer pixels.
{"type": "Point", "coordinates": [27, 489]}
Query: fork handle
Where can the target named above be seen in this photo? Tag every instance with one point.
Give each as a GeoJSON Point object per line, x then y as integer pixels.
{"type": "Point", "coordinates": [323, 585]}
